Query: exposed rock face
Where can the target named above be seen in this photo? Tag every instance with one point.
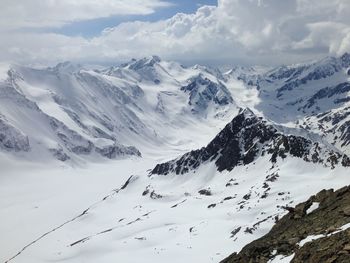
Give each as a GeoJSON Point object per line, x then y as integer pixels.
{"type": "Point", "coordinates": [299, 75]}
{"type": "Point", "coordinates": [333, 248]}
{"type": "Point", "coordinates": [287, 237]}
{"type": "Point", "coordinates": [244, 139]}
{"type": "Point", "coordinates": [11, 139]}
{"type": "Point", "coordinates": [345, 58]}
{"type": "Point", "coordinates": [147, 68]}
{"type": "Point", "coordinates": [329, 92]}
{"type": "Point", "coordinates": [306, 93]}
{"type": "Point", "coordinates": [118, 150]}
{"type": "Point", "coordinates": [320, 72]}
{"type": "Point", "coordinates": [59, 154]}
{"type": "Point", "coordinates": [203, 91]}
{"type": "Point", "coordinates": [77, 144]}
{"type": "Point", "coordinates": [72, 140]}
{"type": "Point", "coordinates": [335, 125]}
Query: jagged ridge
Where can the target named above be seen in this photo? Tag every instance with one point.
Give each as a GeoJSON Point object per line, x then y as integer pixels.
{"type": "Point", "coordinates": [243, 140]}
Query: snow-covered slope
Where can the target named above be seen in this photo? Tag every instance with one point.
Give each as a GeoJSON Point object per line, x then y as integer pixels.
{"type": "Point", "coordinates": [146, 103]}
{"type": "Point", "coordinates": [314, 231]}
{"type": "Point", "coordinates": [72, 112]}
{"type": "Point", "coordinates": [201, 207]}
{"type": "Point", "coordinates": [286, 138]}
{"type": "Point", "coordinates": [245, 139]}
{"type": "Point", "coordinates": [312, 96]}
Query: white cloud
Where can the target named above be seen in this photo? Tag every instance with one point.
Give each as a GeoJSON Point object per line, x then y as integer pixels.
{"type": "Point", "coordinates": [237, 31]}
{"type": "Point", "coordinates": [53, 13]}
{"type": "Point", "coordinates": [329, 35]}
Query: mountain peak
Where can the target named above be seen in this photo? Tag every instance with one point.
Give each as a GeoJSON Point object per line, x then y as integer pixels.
{"type": "Point", "coordinates": [211, 70]}
{"type": "Point", "coordinates": [135, 64]}
{"type": "Point", "coordinates": [156, 58]}
{"type": "Point", "coordinates": [246, 138]}
{"type": "Point", "coordinates": [246, 112]}
{"type": "Point", "coordinates": [203, 91]}
{"type": "Point", "coordinates": [67, 67]}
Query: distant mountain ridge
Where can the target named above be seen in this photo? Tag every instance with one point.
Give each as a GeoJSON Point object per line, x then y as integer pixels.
{"type": "Point", "coordinates": [71, 112]}
{"type": "Point", "coordinates": [108, 110]}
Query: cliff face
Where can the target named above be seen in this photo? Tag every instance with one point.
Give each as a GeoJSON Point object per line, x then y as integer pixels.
{"type": "Point", "coordinates": [317, 230]}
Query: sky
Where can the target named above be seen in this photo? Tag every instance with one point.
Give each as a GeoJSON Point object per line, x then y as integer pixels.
{"type": "Point", "coordinates": [220, 32]}
{"type": "Point", "coordinates": [94, 27]}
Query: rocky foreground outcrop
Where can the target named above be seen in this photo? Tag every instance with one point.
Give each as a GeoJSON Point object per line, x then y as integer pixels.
{"type": "Point", "coordinates": [317, 230]}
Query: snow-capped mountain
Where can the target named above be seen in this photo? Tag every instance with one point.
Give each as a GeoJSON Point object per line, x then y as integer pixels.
{"type": "Point", "coordinates": [312, 96]}
{"type": "Point", "coordinates": [198, 190]}
{"type": "Point", "coordinates": [126, 110]}
{"type": "Point", "coordinates": [216, 199]}
{"type": "Point", "coordinates": [245, 139]}
{"type": "Point", "coordinates": [135, 103]}
{"type": "Point", "coordinates": [205, 93]}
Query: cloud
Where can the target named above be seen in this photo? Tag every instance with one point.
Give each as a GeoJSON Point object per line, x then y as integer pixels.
{"type": "Point", "coordinates": [325, 35]}
{"type": "Point", "coordinates": [55, 13]}
{"type": "Point", "coordinates": [236, 31]}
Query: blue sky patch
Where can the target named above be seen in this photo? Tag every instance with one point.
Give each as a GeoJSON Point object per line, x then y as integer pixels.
{"type": "Point", "coordinates": [92, 28]}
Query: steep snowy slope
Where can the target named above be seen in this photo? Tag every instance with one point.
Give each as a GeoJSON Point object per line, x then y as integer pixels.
{"type": "Point", "coordinates": [39, 114]}
{"type": "Point", "coordinates": [187, 210]}
{"type": "Point", "coordinates": [70, 111]}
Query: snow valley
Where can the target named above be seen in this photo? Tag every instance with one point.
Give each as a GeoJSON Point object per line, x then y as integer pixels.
{"type": "Point", "coordinates": [153, 161]}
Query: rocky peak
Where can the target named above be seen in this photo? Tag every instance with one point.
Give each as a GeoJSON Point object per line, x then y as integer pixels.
{"type": "Point", "coordinates": [301, 75]}
{"type": "Point", "coordinates": [211, 70]}
{"type": "Point", "coordinates": [239, 71]}
{"type": "Point", "coordinates": [246, 138]}
{"type": "Point", "coordinates": [203, 91]}
{"type": "Point", "coordinates": [13, 75]}
{"type": "Point", "coordinates": [11, 138]}
{"type": "Point", "coordinates": [142, 63]}
{"type": "Point", "coordinates": [286, 72]}
{"type": "Point", "coordinates": [147, 68]}
{"type": "Point", "coordinates": [66, 67]}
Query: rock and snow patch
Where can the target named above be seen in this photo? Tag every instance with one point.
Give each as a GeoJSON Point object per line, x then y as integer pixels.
{"type": "Point", "coordinates": [281, 259]}
{"type": "Point", "coordinates": [309, 239]}
{"type": "Point", "coordinates": [315, 237]}
{"type": "Point", "coordinates": [12, 139]}
{"type": "Point", "coordinates": [313, 207]}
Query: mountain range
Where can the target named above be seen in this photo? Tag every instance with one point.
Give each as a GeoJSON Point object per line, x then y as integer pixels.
{"type": "Point", "coordinates": [223, 156]}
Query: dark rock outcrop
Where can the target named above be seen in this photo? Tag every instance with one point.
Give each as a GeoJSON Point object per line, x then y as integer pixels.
{"type": "Point", "coordinates": [300, 75]}
{"type": "Point", "coordinates": [284, 238]}
{"type": "Point", "coordinates": [117, 150]}
{"type": "Point", "coordinates": [12, 139]}
{"type": "Point", "coordinates": [244, 139]}
{"type": "Point", "coordinates": [329, 92]}
{"type": "Point", "coordinates": [203, 91]}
